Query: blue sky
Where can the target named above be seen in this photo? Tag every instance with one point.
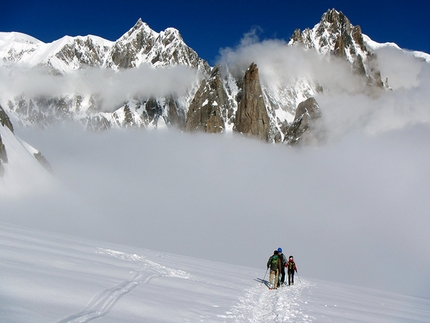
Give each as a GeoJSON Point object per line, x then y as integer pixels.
{"type": "Point", "coordinates": [207, 26]}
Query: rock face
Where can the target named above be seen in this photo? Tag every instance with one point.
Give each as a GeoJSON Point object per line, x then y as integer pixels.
{"type": "Point", "coordinates": [3, 157]}
{"type": "Point", "coordinates": [251, 116]}
{"type": "Point", "coordinates": [307, 112]}
{"type": "Point", "coordinates": [4, 119]}
{"type": "Point", "coordinates": [5, 122]}
{"type": "Point", "coordinates": [210, 110]}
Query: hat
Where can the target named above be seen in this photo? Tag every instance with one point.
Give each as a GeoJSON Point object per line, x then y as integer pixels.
{"type": "Point", "coordinates": [279, 249]}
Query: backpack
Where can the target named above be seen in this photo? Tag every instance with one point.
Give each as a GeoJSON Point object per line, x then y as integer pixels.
{"type": "Point", "coordinates": [291, 265]}
{"type": "Point", "coordinates": [274, 262]}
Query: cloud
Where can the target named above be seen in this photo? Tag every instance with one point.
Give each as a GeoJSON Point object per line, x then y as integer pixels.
{"type": "Point", "coordinates": [283, 65]}
{"type": "Point", "coordinates": [397, 109]}
{"type": "Point", "coordinates": [401, 68]}
{"type": "Point", "coordinates": [349, 211]}
{"type": "Point", "coordinates": [347, 104]}
{"type": "Point", "coordinates": [114, 87]}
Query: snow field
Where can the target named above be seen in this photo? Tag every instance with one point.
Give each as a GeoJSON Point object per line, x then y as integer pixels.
{"type": "Point", "coordinates": [54, 278]}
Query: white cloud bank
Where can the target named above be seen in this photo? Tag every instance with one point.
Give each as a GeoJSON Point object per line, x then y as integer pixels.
{"type": "Point", "coordinates": [114, 87]}
{"type": "Point", "coordinates": [354, 211]}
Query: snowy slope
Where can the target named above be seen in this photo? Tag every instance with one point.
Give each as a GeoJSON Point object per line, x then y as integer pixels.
{"type": "Point", "coordinates": [375, 46]}
{"type": "Point", "coordinates": [16, 46]}
{"type": "Point", "coordinates": [80, 281]}
{"type": "Point", "coordinates": [23, 173]}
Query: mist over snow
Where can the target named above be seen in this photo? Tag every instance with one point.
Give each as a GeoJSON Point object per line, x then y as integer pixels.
{"type": "Point", "coordinates": [353, 211]}
{"type": "Point", "coordinates": [114, 87]}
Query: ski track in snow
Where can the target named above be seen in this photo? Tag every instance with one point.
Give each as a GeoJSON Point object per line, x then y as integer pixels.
{"type": "Point", "coordinates": [259, 304]}
{"type": "Point", "coordinates": [103, 302]}
{"type": "Point", "coordinates": [263, 305]}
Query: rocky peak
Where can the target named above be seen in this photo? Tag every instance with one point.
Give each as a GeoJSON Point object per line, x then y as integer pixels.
{"type": "Point", "coordinates": [210, 109]}
{"type": "Point", "coordinates": [251, 116]}
{"type": "Point", "coordinates": [82, 51]}
{"type": "Point", "coordinates": [143, 45]}
{"type": "Point", "coordinates": [335, 35]}
{"type": "Point", "coordinates": [171, 34]}
{"type": "Point", "coordinates": [125, 52]}
{"type": "Point", "coordinates": [336, 21]}
{"type": "Point", "coordinates": [137, 26]}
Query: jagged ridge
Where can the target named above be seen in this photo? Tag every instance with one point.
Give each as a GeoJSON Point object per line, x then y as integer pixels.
{"type": "Point", "coordinates": [218, 103]}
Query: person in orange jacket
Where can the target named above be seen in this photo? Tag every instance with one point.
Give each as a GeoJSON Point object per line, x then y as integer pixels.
{"type": "Point", "coordinates": [291, 265]}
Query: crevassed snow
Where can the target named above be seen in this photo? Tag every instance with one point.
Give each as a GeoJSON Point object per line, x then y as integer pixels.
{"type": "Point", "coordinates": [80, 281]}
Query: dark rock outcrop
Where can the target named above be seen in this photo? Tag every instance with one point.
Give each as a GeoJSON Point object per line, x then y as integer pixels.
{"type": "Point", "coordinates": [251, 116]}
{"type": "Point", "coordinates": [307, 112]}
{"type": "Point", "coordinates": [209, 109]}
{"type": "Point", "coordinates": [3, 154]}
{"type": "Point", "coordinates": [3, 157]}
{"type": "Point", "coordinates": [175, 115]}
{"type": "Point", "coordinates": [4, 119]}
{"type": "Point", "coordinates": [4, 122]}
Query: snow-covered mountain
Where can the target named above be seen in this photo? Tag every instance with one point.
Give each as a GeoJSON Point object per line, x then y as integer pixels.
{"type": "Point", "coordinates": [138, 46]}
{"type": "Point", "coordinates": [91, 80]}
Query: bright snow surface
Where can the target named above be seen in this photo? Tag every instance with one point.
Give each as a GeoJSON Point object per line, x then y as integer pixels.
{"type": "Point", "coordinates": [57, 278]}
{"type": "Point", "coordinates": [47, 277]}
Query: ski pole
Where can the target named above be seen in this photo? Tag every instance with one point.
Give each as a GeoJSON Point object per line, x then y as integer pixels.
{"type": "Point", "coordinates": [298, 277]}
{"type": "Point", "coordinates": [265, 274]}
